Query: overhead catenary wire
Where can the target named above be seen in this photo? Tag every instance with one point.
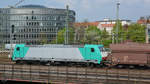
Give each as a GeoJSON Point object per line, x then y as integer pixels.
{"type": "Point", "coordinates": [18, 3]}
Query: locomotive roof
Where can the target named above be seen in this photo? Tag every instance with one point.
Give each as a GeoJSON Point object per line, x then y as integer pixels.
{"type": "Point", "coordinates": [59, 45]}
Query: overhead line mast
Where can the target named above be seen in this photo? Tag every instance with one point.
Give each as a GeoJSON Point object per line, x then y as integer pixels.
{"type": "Point", "coordinates": [13, 30]}
{"type": "Point", "coordinates": [117, 23]}
{"type": "Point", "coordinates": [67, 24]}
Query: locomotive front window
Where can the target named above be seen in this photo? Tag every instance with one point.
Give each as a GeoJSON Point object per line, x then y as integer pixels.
{"type": "Point", "coordinates": [107, 50]}
{"type": "Point", "coordinates": [102, 49]}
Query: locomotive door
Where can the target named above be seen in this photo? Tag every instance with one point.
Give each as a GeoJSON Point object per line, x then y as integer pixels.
{"type": "Point", "coordinates": [89, 53]}
{"type": "Point", "coordinates": [92, 53]}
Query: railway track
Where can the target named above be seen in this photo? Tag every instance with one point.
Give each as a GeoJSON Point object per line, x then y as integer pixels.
{"type": "Point", "coordinates": [35, 72]}
{"type": "Point", "coordinates": [10, 71]}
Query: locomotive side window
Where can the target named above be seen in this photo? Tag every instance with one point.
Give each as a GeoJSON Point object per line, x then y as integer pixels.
{"type": "Point", "coordinates": [92, 50]}
{"type": "Point", "coordinates": [18, 48]}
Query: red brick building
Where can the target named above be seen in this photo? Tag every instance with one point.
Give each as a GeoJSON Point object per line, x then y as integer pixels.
{"type": "Point", "coordinates": [143, 20]}
{"type": "Point", "coordinates": [86, 24]}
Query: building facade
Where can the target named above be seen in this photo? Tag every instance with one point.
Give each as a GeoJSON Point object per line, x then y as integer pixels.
{"type": "Point", "coordinates": [109, 24]}
{"type": "Point", "coordinates": [144, 20]}
{"type": "Point", "coordinates": [106, 24]}
{"type": "Point", "coordinates": [32, 23]}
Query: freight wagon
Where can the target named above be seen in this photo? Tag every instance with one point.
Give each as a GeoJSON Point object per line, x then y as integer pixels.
{"type": "Point", "coordinates": [49, 54]}
{"type": "Point", "coordinates": [130, 54]}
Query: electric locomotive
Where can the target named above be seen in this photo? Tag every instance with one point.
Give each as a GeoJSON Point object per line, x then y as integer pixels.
{"type": "Point", "coordinates": [48, 54]}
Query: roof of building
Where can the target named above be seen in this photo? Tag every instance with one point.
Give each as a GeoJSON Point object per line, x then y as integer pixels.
{"type": "Point", "coordinates": [86, 24]}
{"type": "Point", "coordinates": [143, 21]}
{"type": "Point", "coordinates": [94, 23]}
{"type": "Point", "coordinates": [31, 6]}
{"type": "Point", "coordinates": [107, 25]}
{"type": "Point", "coordinates": [109, 20]}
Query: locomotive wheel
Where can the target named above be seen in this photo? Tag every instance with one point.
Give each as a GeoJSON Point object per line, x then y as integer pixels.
{"type": "Point", "coordinates": [36, 63]}
{"type": "Point", "coordinates": [70, 64]}
{"type": "Point", "coordinates": [20, 62]}
{"type": "Point", "coordinates": [43, 63]}
{"type": "Point", "coordinates": [29, 63]}
{"type": "Point", "coordinates": [92, 65]}
{"type": "Point", "coordinates": [48, 63]}
{"type": "Point", "coordinates": [87, 64]}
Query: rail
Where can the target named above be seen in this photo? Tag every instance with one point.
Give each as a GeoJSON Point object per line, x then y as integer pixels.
{"type": "Point", "coordinates": [67, 74]}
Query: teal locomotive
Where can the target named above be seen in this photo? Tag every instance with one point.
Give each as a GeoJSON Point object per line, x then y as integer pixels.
{"type": "Point", "coordinates": [48, 54]}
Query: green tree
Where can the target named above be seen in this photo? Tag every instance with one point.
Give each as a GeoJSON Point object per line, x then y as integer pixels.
{"type": "Point", "coordinates": [105, 38]}
{"type": "Point", "coordinates": [79, 35]}
{"type": "Point", "coordinates": [95, 36]}
{"type": "Point", "coordinates": [61, 35]}
{"type": "Point", "coordinates": [121, 32]}
{"type": "Point", "coordinates": [92, 35]}
{"type": "Point", "coordinates": [43, 38]}
{"type": "Point", "coordinates": [136, 33]}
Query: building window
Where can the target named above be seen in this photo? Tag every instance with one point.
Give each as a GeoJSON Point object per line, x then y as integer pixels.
{"type": "Point", "coordinates": [32, 12]}
{"type": "Point", "coordinates": [32, 17]}
{"type": "Point", "coordinates": [27, 18]}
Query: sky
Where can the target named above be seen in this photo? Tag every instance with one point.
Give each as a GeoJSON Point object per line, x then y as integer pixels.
{"type": "Point", "coordinates": [94, 10]}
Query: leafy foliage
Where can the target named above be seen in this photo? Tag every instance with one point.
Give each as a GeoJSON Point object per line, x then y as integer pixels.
{"type": "Point", "coordinates": [121, 32]}
{"type": "Point", "coordinates": [97, 36]}
{"type": "Point", "coordinates": [93, 35]}
{"type": "Point", "coordinates": [43, 38]}
{"type": "Point", "coordinates": [136, 33]}
{"type": "Point", "coordinates": [61, 36]}
{"type": "Point", "coordinates": [105, 38]}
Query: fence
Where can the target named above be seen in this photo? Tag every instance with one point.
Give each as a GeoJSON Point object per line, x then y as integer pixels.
{"type": "Point", "coordinates": [76, 74]}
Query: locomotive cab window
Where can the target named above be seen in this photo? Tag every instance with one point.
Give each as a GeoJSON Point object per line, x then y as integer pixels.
{"type": "Point", "coordinates": [102, 49]}
{"type": "Point", "coordinates": [92, 50]}
{"type": "Point", "coordinates": [18, 49]}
